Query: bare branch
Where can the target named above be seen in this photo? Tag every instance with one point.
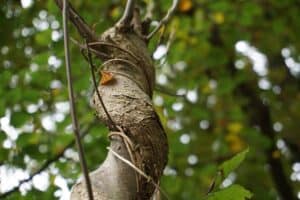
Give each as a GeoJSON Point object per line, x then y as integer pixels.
{"type": "Point", "coordinates": [92, 67]}
{"type": "Point", "coordinates": [75, 124]}
{"type": "Point", "coordinates": [47, 163]}
{"type": "Point", "coordinates": [164, 20]}
{"type": "Point", "coordinates": [83, 28]}
{"type": "Point", "coordinates": [115, 46]}
{"type": "Point", "coordinates": [96, 52]}
{"type": "Point", "coordinates": [127, 15]}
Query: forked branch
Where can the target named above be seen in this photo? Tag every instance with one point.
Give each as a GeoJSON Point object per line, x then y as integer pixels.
{"type": "Point", "coordinates": [164, 20]}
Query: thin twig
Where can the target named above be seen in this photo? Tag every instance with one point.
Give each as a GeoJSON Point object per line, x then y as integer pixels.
{"type": "Point", "coordinates": [127, 76]}
{"type": "Point", "coordinates": [150, 179]}
{"type": "Point", "coordinates": [120, 73]}
{"type": "Point", "coordinates": [127, 15]}
{"type": "Point", "coordinates": [115, 59]}
{"type": "Point", "coordinates": [92, 68]}
{"type": "Point", "coordinates": [120, 60]}
{"type": "Point", "coordinates": [47, 163]}
{"type": "Point", "coordinates": [171, 38]}
{"type": "Point", "coordinates": [115, 46]}
{"type": "Point", "coordinates": [124, 136]}
{"type": "Point", "coordinates": [130, 164]}
{"type": "Point", "coordinates": [75, 124]}
{"type": "Point", "coordinates": [168, 45]}
{"type": "Point", "coordinates": [97, 53]}
{"type": "Point", "coordinates": [167, 91]}
{"type": "Point", "coordinates": [212, 185]}
{"type": "Point", "coordinates": [164, 20]}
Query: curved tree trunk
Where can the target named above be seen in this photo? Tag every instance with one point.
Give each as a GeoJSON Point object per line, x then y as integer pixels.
{"type": "Point", "coordinates": [126, 90]}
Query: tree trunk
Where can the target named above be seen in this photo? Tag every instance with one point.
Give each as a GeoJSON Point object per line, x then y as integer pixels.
{"type": "Point", "coordinates": [126, 95]}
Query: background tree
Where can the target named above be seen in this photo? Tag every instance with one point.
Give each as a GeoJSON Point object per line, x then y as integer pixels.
{"type": "Point", "coordinates": [233, 65]}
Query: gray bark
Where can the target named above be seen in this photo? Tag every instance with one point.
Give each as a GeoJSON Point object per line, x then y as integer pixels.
{"type": "Point", "coordinates": [127, 98]}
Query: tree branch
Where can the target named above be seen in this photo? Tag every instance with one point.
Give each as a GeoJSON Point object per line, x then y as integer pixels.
{"type": "Point", "coordinates": [164, 20]}
{"type": "Point", "coordinates": [167, 91]}
{"type": "Point", "coordinates": [125, 20]}
{"type": "Point", "coordinates": [47, 163]}
{"type": "Point", "coordinates": [83, 28]}
{"type": "Point", "coordinates": [75, 124]}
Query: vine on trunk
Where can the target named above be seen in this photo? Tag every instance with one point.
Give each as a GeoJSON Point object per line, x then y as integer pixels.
{"type": "Point", "coordinates": [138, 149]}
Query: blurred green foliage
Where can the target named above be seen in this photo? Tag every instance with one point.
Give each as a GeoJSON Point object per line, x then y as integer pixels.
{"type": "Point", "coordinates": [235, 62]}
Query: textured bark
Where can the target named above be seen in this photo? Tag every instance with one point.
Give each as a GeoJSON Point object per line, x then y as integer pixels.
{"type": "Point", "coordinates": [127, 98]}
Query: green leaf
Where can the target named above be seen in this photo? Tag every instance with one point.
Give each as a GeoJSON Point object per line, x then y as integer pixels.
{"type": "Point", "coordinates": [14, 96]}
{"type": "Point", "coordinates": [31, 95]}
{"type": "Point", "coordinates": [2, 136]}
{"type": "Point", "coordinates": [233, 192]}
{"type": "Point", "coordinates": [227, 85]}
{"type": "Point", "coordinates": [41, 59]}
{"type": "Point", "coordinates": [26, 139]}
{"type": "Point", "coordinates": [2, 108]}
{"type": "Point", "coordinates": [228, 166]}
{"type": "Point", "coordinates": [43, 38]}
{"type": "Point", "coordinates": [19, 118]}
{"type": "Point", "coordinates": [3, 152]}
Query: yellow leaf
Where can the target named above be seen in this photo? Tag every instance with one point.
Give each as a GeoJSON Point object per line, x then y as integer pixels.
{"type": "Point", "coordinates": [276, 154]}
{"type": "Point", "coordinates": [237, 147]}
{"type": "Point", "coordinates": [206, 89]}
{"type": "Point", "coordinates": [234, 127]}
{"type": "Point", "coordinates": [236, 144]}
{"type": "Point", "coordinates": [162, 30]}
{"type": "Point", "coordinates": [115, 12]}
{"type": "Point", "coordinates": [232, 138]}
{"type": "Point", "coordinates": [185, 5]}
{"type": "Point", "coordinates": [106, 77]}
{"type": "Point", "coordinates": [218, 17]}
{"type": "Point", "coordinates": [55, 91]}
